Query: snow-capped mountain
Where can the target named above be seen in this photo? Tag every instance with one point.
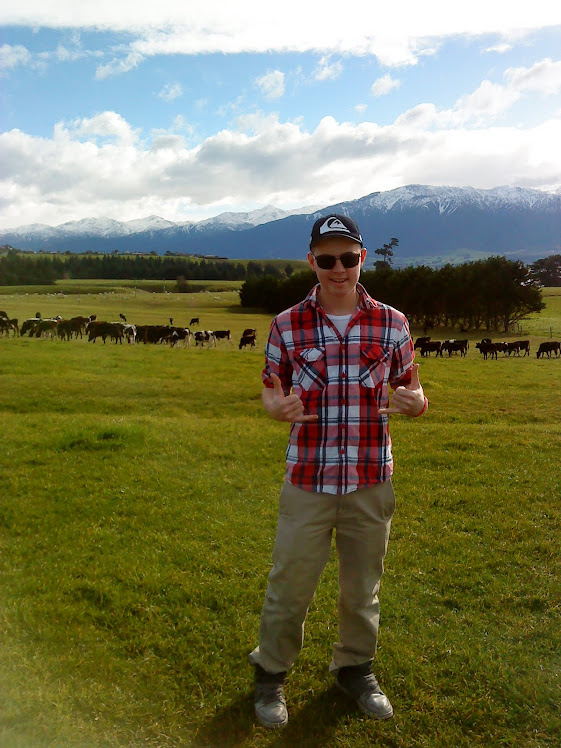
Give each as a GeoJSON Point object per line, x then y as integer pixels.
{"type": "Point", "coordinates": [257, 217]}
{"type": "Point", "coordinates": [152, 223]}
{"type": "Point", "coordinates": [433, 225]}
{"type": "Point", "coordinates": [110, 228]}
{"type": "Point", "coordinates": [449, 199]}
{"type": "Point", "coordinates": [103, 227]}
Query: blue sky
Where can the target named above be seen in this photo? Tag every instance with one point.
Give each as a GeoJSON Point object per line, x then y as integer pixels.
{"type": "Point", "coordinates": [114, 110]}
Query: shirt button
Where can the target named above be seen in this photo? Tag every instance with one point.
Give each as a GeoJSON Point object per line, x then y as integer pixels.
{"type": "Point", "coordinates": [342, 451]}
{"type": "Point", "coordinates": [343, 427]}
{"type": "Point", "coordinates": [343, 375]}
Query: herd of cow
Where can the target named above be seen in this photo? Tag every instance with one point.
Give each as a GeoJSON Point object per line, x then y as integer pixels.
{"type": "Point", "coordinates": [489, 349]}
{"type": "Point", "coordinates": [78, 327]}
{"type": "Point", "coordinates": [172, 335]}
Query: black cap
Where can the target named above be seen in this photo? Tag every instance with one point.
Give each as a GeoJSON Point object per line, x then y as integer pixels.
{"type": "Point", "coordinates": [335, 224]}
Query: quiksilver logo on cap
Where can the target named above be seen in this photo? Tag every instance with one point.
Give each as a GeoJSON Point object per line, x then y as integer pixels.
{"type": "Point", "coordinates": [333, 224]}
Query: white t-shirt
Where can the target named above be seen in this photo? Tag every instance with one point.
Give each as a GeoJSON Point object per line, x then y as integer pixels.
{"type": "Point", "coordinates": [340, 321]}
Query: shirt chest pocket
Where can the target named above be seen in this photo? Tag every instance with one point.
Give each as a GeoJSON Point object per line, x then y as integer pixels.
{"type": "Point", "coordinates": [310, 368]}
{"type": "Point", "coordinates": [374, 365]}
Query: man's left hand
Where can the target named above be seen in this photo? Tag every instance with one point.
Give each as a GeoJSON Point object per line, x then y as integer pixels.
{"type": "Point", "coordinates": [408, 400]}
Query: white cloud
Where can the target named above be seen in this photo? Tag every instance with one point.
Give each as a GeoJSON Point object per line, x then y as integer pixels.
{"type": "Point", "coordinates": [271, 84]}
{"type": "Point", "coordinates": [107, 125]}
{"type": "Point", "coordinates": [361, 108]}
{"type": "Point", "coordinates": [64, 54]}
{"type": "Point", "coordinates": [230, 107]}
{"type": "Point", "coordinates": [180, 123]}
{"type": "Point", "coordinates": [420, 117]}
{"type": "Point", "coordinates": [489, 101]}
{"type": "Point", "coordinates": [118, 66]}
{"type": "Point", "coordinates": [168, 142]}
{"type": "Point", "coordinates": [544, 77]}
{"type": "Point", "coordinates": [499, 49]}
{"type": "Point", "coordinates": [13, 55]}
{"type": "Point", "coordinates": [171, 91]}
{"type": "Point", "coordinates": [397, 34]}
{"type": "Point", "coordinates": [384, 85]}
{"type": "Point", "coordinates": [327, 70]}
{"type": "Point", "coordinates": [102, 165]}
{"type": "Point", "coordinates": [174, 137]}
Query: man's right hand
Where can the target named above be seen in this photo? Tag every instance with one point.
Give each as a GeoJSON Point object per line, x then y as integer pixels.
{"type": "Point", "coordinates": [283, 407]}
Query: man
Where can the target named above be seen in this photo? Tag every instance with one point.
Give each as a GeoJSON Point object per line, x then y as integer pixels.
{"type": "Point", "coordinates": [329, 361]}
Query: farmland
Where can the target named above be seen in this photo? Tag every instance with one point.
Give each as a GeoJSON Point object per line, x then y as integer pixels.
{"type": "Point", "coordinates": [138, 490]}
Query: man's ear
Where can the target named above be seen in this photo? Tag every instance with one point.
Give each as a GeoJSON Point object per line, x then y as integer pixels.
{"type": "Point", "coordinates": [362, 256]}
{"type": "Point", "coordinates": [311, 260]}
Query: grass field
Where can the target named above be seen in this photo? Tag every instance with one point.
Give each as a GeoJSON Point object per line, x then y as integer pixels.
{"type": "Point", "coordinates": [138, 492]}
{"type": "Point", "coordinates": [124, 288]}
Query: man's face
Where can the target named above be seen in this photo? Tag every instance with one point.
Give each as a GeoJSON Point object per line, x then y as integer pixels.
{"type": "Point", "coordinates": [339, 280]}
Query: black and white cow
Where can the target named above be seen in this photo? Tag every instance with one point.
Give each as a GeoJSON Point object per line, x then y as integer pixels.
{"type": "Point", "coordinates": [204, 336]}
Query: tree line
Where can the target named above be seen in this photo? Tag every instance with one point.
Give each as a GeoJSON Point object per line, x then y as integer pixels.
{"type": "Point", "coordinates": [490, 294]}
{"type": "Point", "coordinates": [27, 268]}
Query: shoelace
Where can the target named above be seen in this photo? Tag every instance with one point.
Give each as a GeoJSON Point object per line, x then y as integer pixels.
{"type": "Point", "coordinates": [361, 683]}
{"type": "Point", "coordinates": [371, 683]}
{"type": "Point", "coordinates": [269, 692]}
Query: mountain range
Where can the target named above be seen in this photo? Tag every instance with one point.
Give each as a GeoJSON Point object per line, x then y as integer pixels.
{"type": "Point", "coordinates": [434, 225]}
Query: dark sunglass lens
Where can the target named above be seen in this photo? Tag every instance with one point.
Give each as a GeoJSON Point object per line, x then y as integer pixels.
{"type": "Point", "coordinates": [350, 259]}
{"type": "Point", "coordinates": [326, 262]}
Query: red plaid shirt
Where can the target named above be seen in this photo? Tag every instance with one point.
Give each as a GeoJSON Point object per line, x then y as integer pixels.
{"type": "Point", "coordinates": [344, 379]}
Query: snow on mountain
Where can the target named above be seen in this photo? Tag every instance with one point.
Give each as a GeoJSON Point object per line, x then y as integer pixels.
{"type": "Point", "coordinates": [31, 230]}
{"type": "Point", "coordinates": [428, 220]}
{"type": "Point", "coordinates": [108, 227]}
{"type": "Point", "coordinates": [152, 223]}
{"type": "Point", "coordinates": [93, 227]}
{"type": "Point", "coordinates": [449, 199]}
{"type": "Point", "coordinates": [253, 218]}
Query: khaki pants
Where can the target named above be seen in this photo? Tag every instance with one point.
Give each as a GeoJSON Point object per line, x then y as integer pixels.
{"type": "Point", "coordinates": [361, 521]}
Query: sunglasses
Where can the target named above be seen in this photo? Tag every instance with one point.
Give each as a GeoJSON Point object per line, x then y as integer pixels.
{"type": "Point", "coordinates": [327, 262]}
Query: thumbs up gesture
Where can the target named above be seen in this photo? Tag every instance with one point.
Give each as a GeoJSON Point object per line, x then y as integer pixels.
{"type": "Point", "coordinates": [283, 407]}
{"type": "Point", "coordinates": [408, 400]}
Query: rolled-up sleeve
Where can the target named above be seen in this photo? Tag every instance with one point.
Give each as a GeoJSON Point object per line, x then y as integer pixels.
{"type": "Point", "coordinates": [276, 360]}
{"type": "Point", "coordinates": [402, 358]}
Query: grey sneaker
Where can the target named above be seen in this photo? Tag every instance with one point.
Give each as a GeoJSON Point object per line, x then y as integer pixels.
{"type": "Point", "coordinates": [270, 704]}
{"type": "Point", "coordinates": [359, 682]}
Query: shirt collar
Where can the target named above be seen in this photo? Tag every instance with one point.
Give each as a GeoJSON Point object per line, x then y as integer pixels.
{"type": "Point", "coordinates": [365, 301]}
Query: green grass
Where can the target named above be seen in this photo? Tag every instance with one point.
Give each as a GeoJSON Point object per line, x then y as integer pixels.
{"type": "Point", "coordinates": [549, 320]}
{"type": "Point", "coordinates": [124, 287]}
{"type": "Point", "coordinates": [216, 308]}
{"type": "Point", "coordinates": [138, 492]}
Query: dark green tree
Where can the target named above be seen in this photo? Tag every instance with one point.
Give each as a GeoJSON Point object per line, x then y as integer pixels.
{"type": "Point", "coordinates": [548, 270]}
{"type": "Point", "coordinates": [386, 251]}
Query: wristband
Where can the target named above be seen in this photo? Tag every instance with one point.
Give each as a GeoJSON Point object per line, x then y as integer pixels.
{"type": "Point", "coordinates": [423, 409]}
